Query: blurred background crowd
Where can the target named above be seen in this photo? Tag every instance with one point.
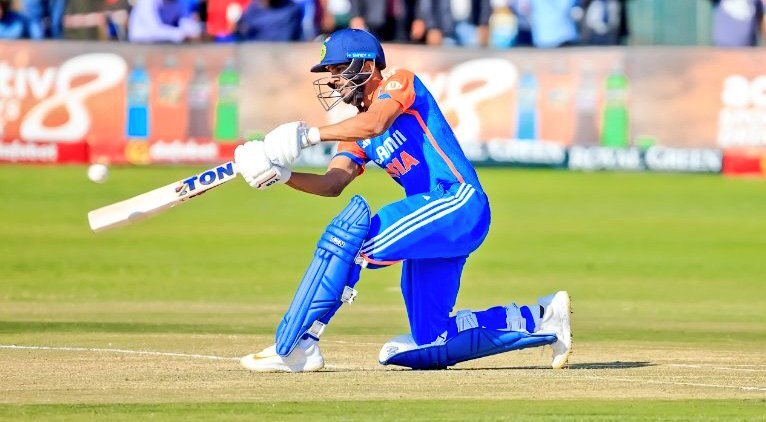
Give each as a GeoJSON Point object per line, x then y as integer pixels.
{"type": "Point", "coordinates": [473, 23]}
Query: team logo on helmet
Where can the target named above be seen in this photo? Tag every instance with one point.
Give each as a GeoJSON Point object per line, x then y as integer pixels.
{"type": "Point", "coordinates": [323, 51]}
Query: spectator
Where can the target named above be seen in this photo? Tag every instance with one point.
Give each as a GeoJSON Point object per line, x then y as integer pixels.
{"type": "Point", "coordinates": [737, 23]}
{"type": "Point", "coordinates": [437, 20]}
{"type": "Point", "coordinates": [503, 26]}
{"type": "Point", "coordinates": [45, 18]}
{"type": "Point", "coordinates": [471, 19]}
{"type": "Point", "coordinates": [116, 24]}
{"type": "Point", "coordinates": [271, 20]}
{"type": "Point", "coordinates": [337, 14]}
{"type": "Point", "coordinates": [162, 21]}
{"type": "Point", "coordinates": [603, 22]}
{"type": "Point", "coordinates": [222, 17]}
{"type": "Point", "coordinates": [523, 11]}
{"type": "Point", "coordinates": [13, 26]}
{"type": "Point", "coordinates": [313, 15]}
{"type": "Point", "coordinates": [550, 21]}
{"type": "Point", "coordinates": [387, 19]}
{"type": "Point", "coordinates": [334, 14]}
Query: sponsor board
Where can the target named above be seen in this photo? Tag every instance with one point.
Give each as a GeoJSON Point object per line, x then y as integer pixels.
{"type": "Point", "coordinates": [745, 162]}
{"type": "Point", "coordinates": [167, 104]}
{"type": "Point", "coordinates": [600, 158]}
{"type": "Point", "coordinates": [684, 160]}
{"type": "Point", "coordinates": [663, 159]}
{"type": "Point", "coordinates": [523, 153]}
{"type": "Point", "coordinates": [515, 153]}
{"type": "Point", "coordinates": [43, 152]}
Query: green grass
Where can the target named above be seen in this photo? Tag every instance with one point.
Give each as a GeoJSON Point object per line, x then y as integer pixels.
{"type": "Point", "coordinates": [655, 258]}
{"type": "Point", "coordinates": [483, 410]}
{"type": "Point", "coordinates": [637, 248]}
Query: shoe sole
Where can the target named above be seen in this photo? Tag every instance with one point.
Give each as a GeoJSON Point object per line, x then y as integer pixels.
{"type": "Point", "coordinates": [309, 366]}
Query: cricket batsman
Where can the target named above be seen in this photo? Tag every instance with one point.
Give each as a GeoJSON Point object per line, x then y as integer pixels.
{"type": "Point", "coordinates": [444, 217]}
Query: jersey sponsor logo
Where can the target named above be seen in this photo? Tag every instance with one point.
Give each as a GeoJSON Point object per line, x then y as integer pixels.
{"type": "Point", "coordinates": [401, 165]}
{"type": "Point", "coordinates": [393, 86]}
{"type": "Point", "coordinates": [395, 163]}
{"type": "Point", "coordinates": [389, 145]}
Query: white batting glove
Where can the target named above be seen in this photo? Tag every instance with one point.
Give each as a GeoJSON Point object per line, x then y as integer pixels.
{"type": "Point", "coordinates": [273, 176]}
{"type": "Point", "coordinates": [284, 143]}
{"type": "Point", "coordinates": [255, 167]}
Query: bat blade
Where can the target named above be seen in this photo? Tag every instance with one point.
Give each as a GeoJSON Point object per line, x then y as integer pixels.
{"type": "Point", "coordinates": [158, 200]}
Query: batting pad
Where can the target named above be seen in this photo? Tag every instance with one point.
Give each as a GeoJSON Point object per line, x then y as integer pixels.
{"type": "Point", "coordinates": [329, 280]}
{"type": "Point", "coordinates": [472, 343]}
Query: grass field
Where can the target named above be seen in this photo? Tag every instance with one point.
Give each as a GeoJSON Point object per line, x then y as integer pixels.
{"type": "Point", "coordinates": [666, 272]}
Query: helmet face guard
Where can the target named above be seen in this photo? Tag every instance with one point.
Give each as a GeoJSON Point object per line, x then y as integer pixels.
{"type": "Point", "coordinates": [347, 86]}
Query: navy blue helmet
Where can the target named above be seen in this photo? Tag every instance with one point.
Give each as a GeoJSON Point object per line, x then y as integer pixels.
{"type": "Point", "coordinates": [349, 49]}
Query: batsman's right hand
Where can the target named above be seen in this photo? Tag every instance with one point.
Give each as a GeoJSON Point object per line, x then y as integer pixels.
{"type": "Point", "coordinates": [256, 168]}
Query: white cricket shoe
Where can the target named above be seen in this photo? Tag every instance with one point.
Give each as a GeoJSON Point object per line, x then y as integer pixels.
{"type": "Point", "coordinates": [306, 357]}
{"type": "Point", "coordinates": [556, 320]}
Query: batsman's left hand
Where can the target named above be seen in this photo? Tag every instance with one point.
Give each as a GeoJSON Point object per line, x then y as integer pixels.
{"type": "Point", "coordinates": [284, 143]}
{"type": "Point", "coordinates": [256, 168]}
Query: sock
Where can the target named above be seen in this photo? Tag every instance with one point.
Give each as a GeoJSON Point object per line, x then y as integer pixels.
{"type": "Point", "coordinates": [495, 318]}
{"type": "Point", "coordinates": [492, 318]}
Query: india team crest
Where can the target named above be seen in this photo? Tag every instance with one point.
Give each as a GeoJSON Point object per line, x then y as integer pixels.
{"type": "Point", "coordinates": [323, 50]}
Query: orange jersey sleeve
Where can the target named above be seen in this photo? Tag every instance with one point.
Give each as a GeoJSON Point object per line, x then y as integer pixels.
{"type": "Point", "coordinates": [400, 87]}
{"type": "Point", "coordinates": [353, 151]}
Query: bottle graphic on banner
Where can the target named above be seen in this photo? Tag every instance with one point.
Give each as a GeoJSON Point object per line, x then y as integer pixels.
{"type": "Point", "coordinates": [503, 28]}
{"type": "Point", "coordinates": [586, 100]}
{"type": "Point", "coordinates": [227, 107]}
{"type": "Point", "coordinates": [169, 112]}
{"type": "Point", "coordinates": [198, 100]}
{"type": "Point", "coordinates": [138, 87]}
{"type": "Point", "coordinates": [615, 118]}
{"type": "Point", "coordinates": [557, 104]}
{"type": "Point", "coordinates": [527, 118]}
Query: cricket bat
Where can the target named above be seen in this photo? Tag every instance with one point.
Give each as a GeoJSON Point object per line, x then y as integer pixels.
{"type": "Point", "coordinates": [158, 200]}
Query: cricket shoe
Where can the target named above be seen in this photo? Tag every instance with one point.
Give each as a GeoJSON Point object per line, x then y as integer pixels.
{"type": "Point", "coordinates": [306, 357]}
{"type": "Point", "coordinates": [556, 321]}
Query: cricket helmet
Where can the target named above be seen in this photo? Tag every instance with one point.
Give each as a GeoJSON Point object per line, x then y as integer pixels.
{"type": "Point", "coordinates": [351, 47]}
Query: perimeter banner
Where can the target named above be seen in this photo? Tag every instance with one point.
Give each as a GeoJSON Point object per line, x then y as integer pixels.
{"type": "Point", "coordinates": [583, 108]}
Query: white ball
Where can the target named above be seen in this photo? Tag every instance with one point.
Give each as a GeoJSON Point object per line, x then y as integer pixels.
{"type": "Point", "coordinates": [98, 173]}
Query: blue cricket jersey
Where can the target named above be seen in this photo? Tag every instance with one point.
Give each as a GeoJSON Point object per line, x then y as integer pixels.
{"type": "Point", "coordinates": [419, 151]}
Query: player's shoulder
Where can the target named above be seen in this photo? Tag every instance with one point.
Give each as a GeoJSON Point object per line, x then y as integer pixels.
{"type": "Point", "coordinates": [398, 74]}
{"type": "Point", "coordinates": [396, 71]}
{"type": "Point", "coordinates": [398, 84]}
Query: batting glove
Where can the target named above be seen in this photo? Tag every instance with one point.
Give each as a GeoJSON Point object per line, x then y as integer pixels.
{"type": "Point", "coordinates": [284, 143]}
{"type": "Point", "coordinates": [256, 168]}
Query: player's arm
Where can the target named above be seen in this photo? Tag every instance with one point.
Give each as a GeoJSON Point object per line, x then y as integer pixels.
{"type": "Point", "coordinates": [368, 124]}
{"type": "Point", "coordinates": [341, 171]}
